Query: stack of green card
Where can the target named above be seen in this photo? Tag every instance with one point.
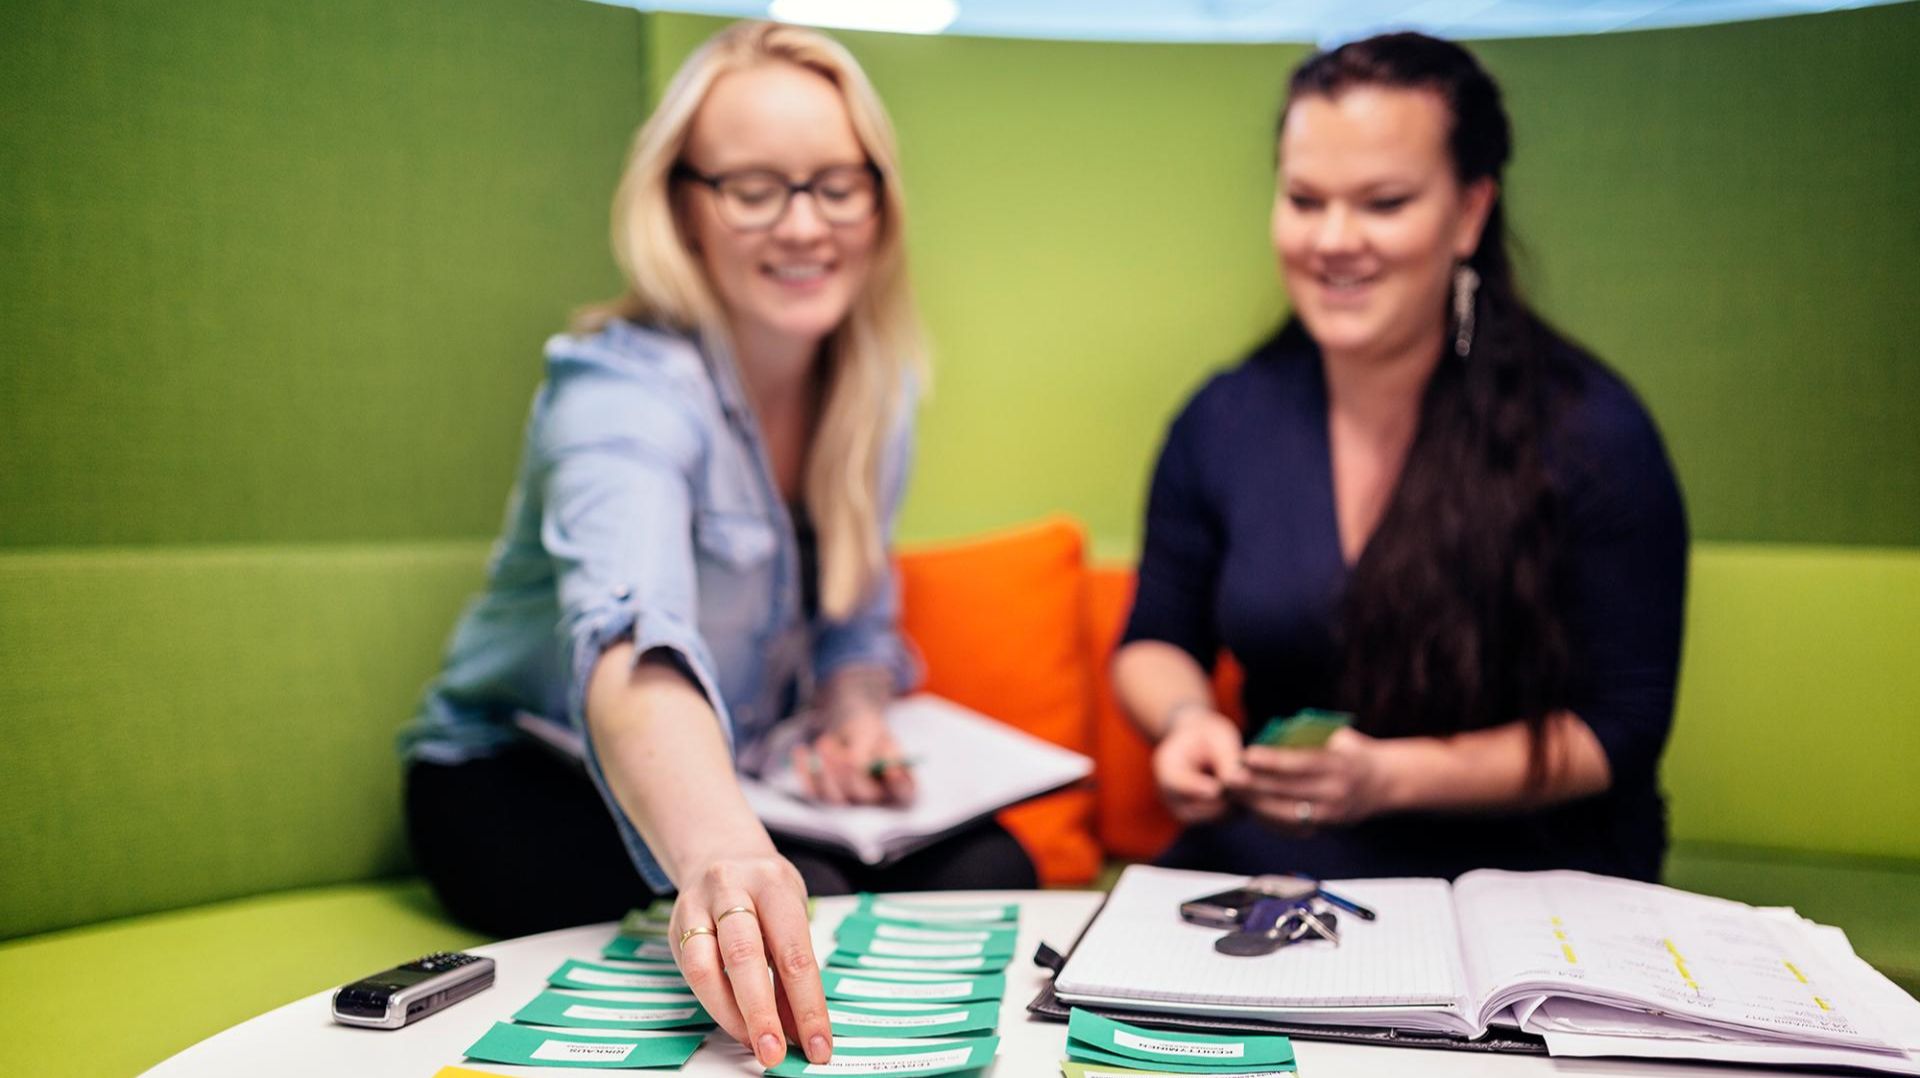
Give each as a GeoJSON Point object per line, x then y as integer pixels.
{"type": "Point", "coordinates": [632, 1010]}
{"type": "Point", "coordinates": [1103, 1048]}
{"type": "Point", "coordinates": [915, 987]}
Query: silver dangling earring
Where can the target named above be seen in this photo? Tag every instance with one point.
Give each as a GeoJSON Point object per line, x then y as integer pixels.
{"type": "Point", "coordinates": [1465, 283]}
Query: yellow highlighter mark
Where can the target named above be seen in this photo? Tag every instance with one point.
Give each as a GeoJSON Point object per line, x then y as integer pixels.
{"type": "Point", "coordinates": [1822, 1003]}
{"type": "Point", "coordinates": [1795, 970]}
{"type": "Point", "coordinates": [1680, 963]}
{"type": "Point", "coordinates": [1565, 947]}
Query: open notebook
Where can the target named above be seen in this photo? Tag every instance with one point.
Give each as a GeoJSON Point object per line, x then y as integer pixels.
{"type": "Point", "coordinates": [966, 766]}
{"type": "Point", "coordinates": [1596, 965]}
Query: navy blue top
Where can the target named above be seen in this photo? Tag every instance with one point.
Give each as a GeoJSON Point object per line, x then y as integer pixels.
{"type": "Point", "coordinates": [1242, 551]}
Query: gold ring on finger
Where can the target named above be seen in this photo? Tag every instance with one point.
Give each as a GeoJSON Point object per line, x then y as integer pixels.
{"type": "Point", "coordinates": [730, 911]}
{"type": "Point", "coordinates": [702, 930]}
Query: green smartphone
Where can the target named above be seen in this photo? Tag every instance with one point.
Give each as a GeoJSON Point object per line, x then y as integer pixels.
{"type": "Point", "coordinates": [1307, 729]}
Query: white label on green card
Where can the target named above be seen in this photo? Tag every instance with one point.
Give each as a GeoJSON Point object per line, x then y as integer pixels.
{"type": "Point", "coordinates": [906, 989]}
{"type": "Point", "coordinates": [624, 980]}
{"type": "Point", "coordinates": [925, 1061]}
{"type": "Point", "coordinates": [880, 962]}
{"type": "Point", "coordinates": [894, 1021]}
{"type": "Point", "coordinates": [938, 913]}
{"type": "Point", "coordinates": [1230, 1050]}
{"type": "Point", "coordinates": [628, 1014]}
{"type": "Point", "coordinates": [924, 950]}
{"type": "Point", "coordinates": [584, 1051]}
{"type": "Point", "coordinates": [930, 935]}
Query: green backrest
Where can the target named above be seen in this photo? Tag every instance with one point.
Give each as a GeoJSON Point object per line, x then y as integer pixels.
{"type": "Point", "coordinates": [187, 725]}
{"type": "Point", "coordinates": [1796, 726]}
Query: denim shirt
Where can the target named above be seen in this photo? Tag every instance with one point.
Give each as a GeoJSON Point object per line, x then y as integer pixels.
{"type": "Point", "coordinates": [646, 509]}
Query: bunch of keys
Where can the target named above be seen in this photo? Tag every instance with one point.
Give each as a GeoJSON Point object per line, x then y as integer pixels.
{"type": "Point", "coordinates": [1274, 923]}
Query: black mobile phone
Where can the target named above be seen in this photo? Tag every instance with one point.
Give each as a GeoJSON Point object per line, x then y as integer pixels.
{"type": "Point", "coordinates": [392, 998]}
{"type": "Point", "coordinates": [1229, 908]}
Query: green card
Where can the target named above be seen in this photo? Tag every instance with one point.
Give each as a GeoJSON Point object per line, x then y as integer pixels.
{"type": "Point", "coordinates": [1072, 1069]}
{"type": "Point", "coordinates": [1309, 729]}
{"type": "Point", "coordinates": [905, 987]}
{"type": "Point", "coordinates": [866, 935]}
{"type": "Point", "coordinates": [911, 1019]}
{"type": "Point", "coordinates": [632, 1010]}
{"type": "Point", "coordinates": [535, 1047]}
{"type": "Point", "coordinates": [1092, 1038]}
{"type": "Point", "coordinates": [574, 973]}
{"type": "Point", "coordinates": [634, 949]}
{"type": "Point", "coordinates": [933, 1057]}
{"type": "Point", "coordinates": [976, 964]}
{"type": "Point", "coordinates": [937, 913]}
{"type": "Point", "coordinates": [655, 920]}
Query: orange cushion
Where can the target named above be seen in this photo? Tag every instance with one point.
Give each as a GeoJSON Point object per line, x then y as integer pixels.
{"type": "Point", "coordinates": [998, 620]}
{"type": "Point", "coordinates": [1129, 817]}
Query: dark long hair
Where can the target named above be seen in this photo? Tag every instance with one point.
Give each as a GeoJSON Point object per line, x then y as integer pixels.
{"type": "Point", "coordinates": [1449, 622]}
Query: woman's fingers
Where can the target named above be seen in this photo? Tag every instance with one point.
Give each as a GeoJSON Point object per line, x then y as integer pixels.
{"type": "Point", "coordinates": [700, 963]}
{"type": "Point", "coordinates": [801, 1005]}
{"type": "Point", "coordinates": [806, 766]}
{"type": "Point", "coordinates": [830, 771]}
{"type": "Point", "coordinates": [743, 965]}
{"type": "Point", "coordinates": [898, 779]}
{"type": "Point", "coordinates": [1286, 763]}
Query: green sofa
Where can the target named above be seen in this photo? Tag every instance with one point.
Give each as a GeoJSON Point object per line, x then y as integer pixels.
{"type": "Point", "coordinates": [226, 837]}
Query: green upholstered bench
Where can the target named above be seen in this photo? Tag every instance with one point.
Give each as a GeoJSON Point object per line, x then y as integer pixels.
{"type": "Point", "coordinates": [202, 796]}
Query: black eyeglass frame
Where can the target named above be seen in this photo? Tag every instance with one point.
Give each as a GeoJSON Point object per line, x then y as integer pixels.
{"type": "Point", "coordinates": [712, 181]}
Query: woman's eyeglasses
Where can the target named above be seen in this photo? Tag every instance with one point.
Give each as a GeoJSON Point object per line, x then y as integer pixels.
{"type": "Point", "coordinates": [755, 199]}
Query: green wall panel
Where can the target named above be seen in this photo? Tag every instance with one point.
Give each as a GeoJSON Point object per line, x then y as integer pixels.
{"type": "Point", "coordinates": [1727, 214]}
{"type": "Point", "coordinates": [283, 270]}
{"type": "Point", "coordinates": [1730, 215]}
{"type": "Point", "coordinates": [190, 724]}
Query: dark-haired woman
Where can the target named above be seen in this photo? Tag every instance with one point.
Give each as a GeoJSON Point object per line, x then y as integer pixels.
{"type": "Point", "coordinates": [1418, 504]}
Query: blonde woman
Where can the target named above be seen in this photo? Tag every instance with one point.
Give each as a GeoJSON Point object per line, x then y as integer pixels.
{"type": "Point", "coordinates": [696, 549]}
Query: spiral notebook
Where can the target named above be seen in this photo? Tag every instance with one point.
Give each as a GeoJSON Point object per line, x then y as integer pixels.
{"type": "Point", "coordinates": [1591, 964]}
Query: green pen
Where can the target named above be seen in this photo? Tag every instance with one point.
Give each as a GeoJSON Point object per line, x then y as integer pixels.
{"type": "Point", "coordinates": [878, 768]}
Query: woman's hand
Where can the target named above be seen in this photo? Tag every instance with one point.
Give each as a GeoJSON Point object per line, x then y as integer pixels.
{"type": "Point", "coordinates": [1197, 762]}
{"type": "Point", "coordinates": [855, 760]}
{"type": "Point", "coordinates": [740, 931]}
{"type": "Point", "coordinates": [1298, 790]}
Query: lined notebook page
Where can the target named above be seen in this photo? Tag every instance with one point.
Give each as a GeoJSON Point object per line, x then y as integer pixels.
{"type": "Point", "coordinates": [1688, 956]}
{"type": "Point", "coordinates": [1139, 948]}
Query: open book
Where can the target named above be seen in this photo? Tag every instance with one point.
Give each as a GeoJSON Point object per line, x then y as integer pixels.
{"type": "Point", "coordinates": [965, 766]}
{"type": "Point", "coordinates": [1596, 965]}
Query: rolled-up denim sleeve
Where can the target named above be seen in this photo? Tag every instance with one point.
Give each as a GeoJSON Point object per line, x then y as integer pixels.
{"type": "Point", "coordinates": [617, 454]}
{"type": "Point", "coordinates": [870, 635]}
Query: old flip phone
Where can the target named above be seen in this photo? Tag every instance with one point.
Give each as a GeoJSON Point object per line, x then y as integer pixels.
{"type": "Point", "coordinates": [1229, 908]}
{"type": "Point", "coordinates": [392, 998]}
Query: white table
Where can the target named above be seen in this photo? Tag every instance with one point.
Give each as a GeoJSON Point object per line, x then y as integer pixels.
{"type": "Point", "coordinates": [301, 1038]}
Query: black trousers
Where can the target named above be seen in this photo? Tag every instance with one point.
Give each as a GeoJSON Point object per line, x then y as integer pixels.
{"type": "Point", "coordinates": [521, 842]}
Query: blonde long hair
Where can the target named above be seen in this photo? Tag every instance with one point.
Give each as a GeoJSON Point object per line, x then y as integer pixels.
{"type": "Point", "coordinates": [867, 358]}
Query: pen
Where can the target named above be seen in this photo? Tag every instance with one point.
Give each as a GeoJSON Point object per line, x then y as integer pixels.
{"type": "Point", "coordinates": [1349, 905]}
{"type": "Point", "coordinates": [879, 767]}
